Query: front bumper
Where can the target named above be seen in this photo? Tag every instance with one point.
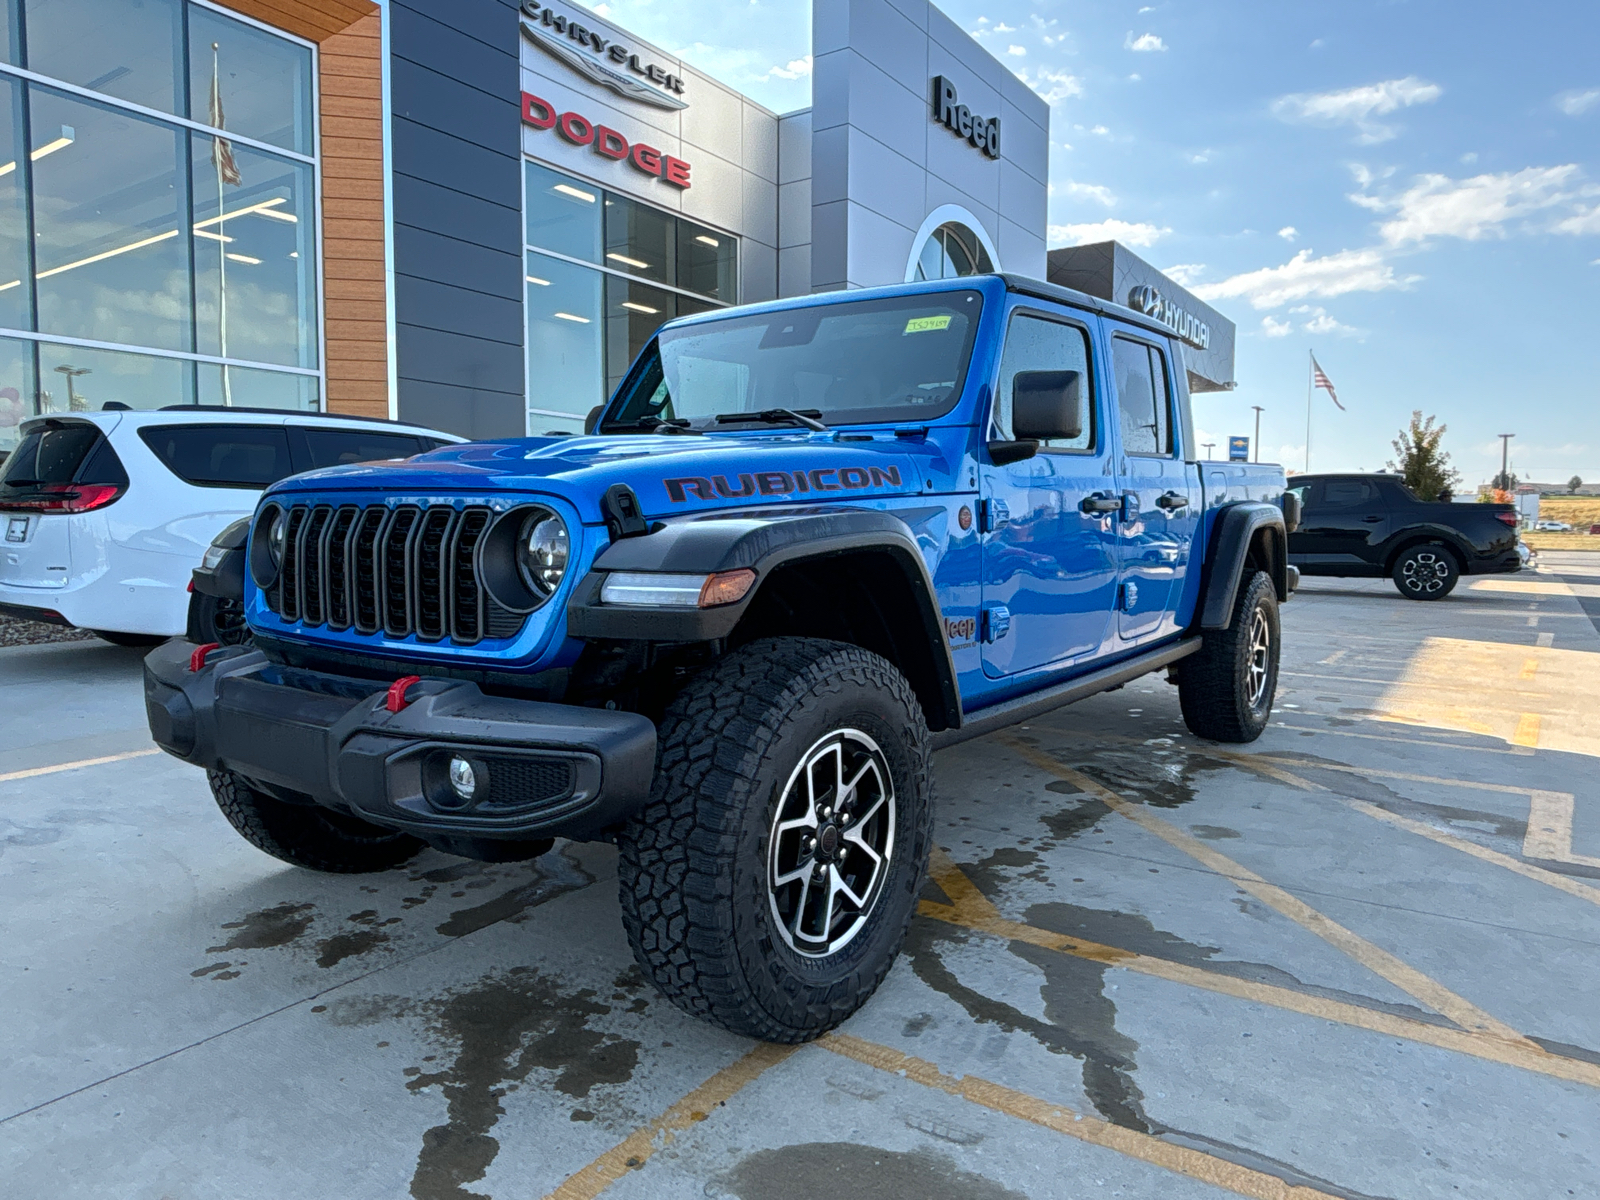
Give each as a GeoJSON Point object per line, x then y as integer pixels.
{"type": "Point", "coordinates": [545, 770]}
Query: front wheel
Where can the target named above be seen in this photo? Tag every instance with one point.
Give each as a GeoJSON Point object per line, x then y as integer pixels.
{"type": "Point", "coordinates": [1426, 573]}
{"type": "Point", "coordinates": [768, 884]}
{"type": "Point", "coordinates": [305, 834]}
{"type": "Point", "coordinates": [1226, 688]}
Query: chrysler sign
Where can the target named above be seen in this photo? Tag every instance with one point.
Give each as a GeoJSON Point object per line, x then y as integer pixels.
{"type": "Point", "coordinates": [600, 60]}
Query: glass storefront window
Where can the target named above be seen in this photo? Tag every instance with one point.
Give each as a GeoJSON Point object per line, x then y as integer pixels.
{"type": "Point", "coordinates": [75, 379]}
{"type": "Point", "coordinates": [633, 313]}
{"type": "Point", "coordinates": [16, 390]}
{"type": "Point", "coordinates": [254, 268]}
{"type": "Point", "coordinates": [563, 214]}
{"type": "Point", "coordinates": [244, 387]}
{"type": "Point", "coordinates": [248, 81]}
{"type": "Point", "coordinates": [15, 295]}
{"type": "Point", "coordinates": [10, 43]}
{"type": "Point", "coordinates": [565, 324]}
{"type": "Point", "coordinates": [641, 241]}
{"type": "Point", "coordinates": [110, 202]}
{"type": "Point", "coordinates": [130, 49]}
{"type": "Point", "coordinates": [708, 262]}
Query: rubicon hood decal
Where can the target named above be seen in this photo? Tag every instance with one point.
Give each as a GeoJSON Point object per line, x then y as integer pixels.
{"type": "Point", "coordinates": [780, 483]}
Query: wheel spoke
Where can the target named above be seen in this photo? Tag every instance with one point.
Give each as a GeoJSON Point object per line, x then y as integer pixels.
{"type": "Point", "coordinates": [800, 907]}
{"type": "Point", "coordinates": [800, 872]}
{"type": "Point", "coordinates": [855, 839]}
{"type": "Point", "coordinates": [882, 799]}
{"type": "Point", "coordinates": [836, 884]}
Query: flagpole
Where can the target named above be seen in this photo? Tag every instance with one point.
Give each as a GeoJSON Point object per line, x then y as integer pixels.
{"type": "Point", "coordinates": [222, 232]}
{"type": "Point", "coordinates": [1310, 376]}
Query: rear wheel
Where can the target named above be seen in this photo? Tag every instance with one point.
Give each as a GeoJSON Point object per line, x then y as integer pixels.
{"type": "Point", "coordinates": [769, 883]}
{"type": "Point", "coordinates": [1426, 573]}
{"type": "Point", "coordinates": [1227, 688]}
{"type": "Point", "coordinates": [305, 834]}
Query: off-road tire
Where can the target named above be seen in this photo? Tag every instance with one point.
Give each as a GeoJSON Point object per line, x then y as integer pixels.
{"type": "Point", "coordinates": [1426, 572]}
{"type": "Point", "coordinates": [216, 619]}
{"type": "Point", "coordinates": [306, 835]}
{"type": "Point", "coordinates": [138, 641]}
{"type": "Point", "coordinates": [1215, 684]}
{"type": "Point", "coordinates": [693, 868]}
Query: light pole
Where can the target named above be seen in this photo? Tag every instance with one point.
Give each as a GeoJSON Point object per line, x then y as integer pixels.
{"type": "Point", "coordinates": [1505, 459]}
{"type": "Point", "coordinates": [75, 403]}
{"type": "Point", "coordinates": [1257, 443]}
{"type": "Point", "coordinates": [1208, 446]}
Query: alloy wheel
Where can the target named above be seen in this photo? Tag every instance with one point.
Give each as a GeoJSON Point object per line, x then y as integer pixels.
{"type": "Point", "coordinates": [1260, 662]}
{"type": "Point", "coordinates": [1425, 572]}
{"type": "Point", "coordinates": [831, 840]}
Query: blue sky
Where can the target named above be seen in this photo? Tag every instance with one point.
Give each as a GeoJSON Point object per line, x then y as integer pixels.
{"type": "Point", "coordinates": [1411, 190]}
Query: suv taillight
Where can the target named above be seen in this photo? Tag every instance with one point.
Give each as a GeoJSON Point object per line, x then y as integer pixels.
{"type": "Point", "coordinates": [1507, 518]}
{"type": "Point", "coordinates": [63, 498]}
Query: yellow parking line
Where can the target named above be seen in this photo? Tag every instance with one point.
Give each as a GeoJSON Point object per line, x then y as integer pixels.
{"type": "Point", "coordinates": [1056, 1117]}
{"type": "Point", "coordinates": [1527, 733]}
{"type": "Point", "coordinates": [35, 772]}
{"type": "Point", "coordinates": [631, 1153]}
{"type": "Point", "coordinates": [1530, 667]}
{"type": "Point", "coordinates": [1404, 976]}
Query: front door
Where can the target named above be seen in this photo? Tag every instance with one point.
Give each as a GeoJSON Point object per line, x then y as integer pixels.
{"type": "Point", "coordinates": [1048, 569]}
{"type": "Point", "coordinates": [1159, 489]}
{"type": "Point", "coordinates": [1344, 525]}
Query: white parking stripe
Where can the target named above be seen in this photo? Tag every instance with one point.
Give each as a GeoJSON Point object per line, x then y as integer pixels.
{"type": "Point", "coordinates": [33, 772]}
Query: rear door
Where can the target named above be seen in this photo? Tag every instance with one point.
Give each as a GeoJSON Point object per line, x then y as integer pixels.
{"type": "Point", "coordinates": [1344, 525]}
{"type": "Point", "coordinates": [1048, 567]}
{"type": "Point", "coordinates": [1160, 491]}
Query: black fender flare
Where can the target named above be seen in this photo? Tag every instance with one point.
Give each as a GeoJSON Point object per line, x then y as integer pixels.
{"type": "Point", "coordinates": [225, 580]}
{"type": "Point", "coordinates": [1234, 528]}
{"type": "Point", "coordinates": [762, 541]}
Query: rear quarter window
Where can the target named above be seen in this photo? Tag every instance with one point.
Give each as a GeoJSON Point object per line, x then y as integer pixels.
{"type": "Point", "coordinates": [337, 447]}
{"type": "Point", "coordinates": [230, 456]}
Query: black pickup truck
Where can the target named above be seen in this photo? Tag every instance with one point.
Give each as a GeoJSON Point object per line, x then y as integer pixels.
{"type": "Point", "coordinates": [1374, 525]}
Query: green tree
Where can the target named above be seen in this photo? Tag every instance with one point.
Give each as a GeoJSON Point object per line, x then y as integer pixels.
{"type": "Point", "coordinates": [1419, 460]}
{"type": "Point", "coordinates": [1574, 484]}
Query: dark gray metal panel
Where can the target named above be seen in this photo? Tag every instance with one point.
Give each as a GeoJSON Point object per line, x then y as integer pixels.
{"type": "Point", "coordinates": [457, 186]}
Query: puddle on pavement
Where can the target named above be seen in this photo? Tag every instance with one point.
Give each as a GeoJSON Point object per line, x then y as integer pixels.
{"type": "Point", "coordinates": [289, 926]}
{"type": "Point", "coordinates": [502, 1028]}
{"type": "Point", "coordinates": [811, 1169]}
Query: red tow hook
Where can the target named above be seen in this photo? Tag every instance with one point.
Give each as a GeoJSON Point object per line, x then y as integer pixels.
{"type": "Point", "coordinates": [397, 692]}
{"type": "Point", "coordinates": [197, 660]}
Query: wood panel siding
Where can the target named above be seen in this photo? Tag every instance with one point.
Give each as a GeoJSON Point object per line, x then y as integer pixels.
{"type": "Point", "coordinates": [349, 41]}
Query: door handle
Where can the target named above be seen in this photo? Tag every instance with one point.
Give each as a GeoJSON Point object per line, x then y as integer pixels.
{"type": "Point", "coordinates": [1172, 500]}
{"type": "Point", "coordinates": [1099, 503]}
{"type": "Point", "coordinates": [1370, 520]}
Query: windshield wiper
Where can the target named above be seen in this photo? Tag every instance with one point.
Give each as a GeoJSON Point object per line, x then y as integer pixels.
{"type": "Point", "coordinates": [652, 425]}
{"type": "Point", "coordinates": [777, 416]}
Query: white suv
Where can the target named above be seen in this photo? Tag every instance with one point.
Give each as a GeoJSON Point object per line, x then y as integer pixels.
{"type": "Point", "coordinates": [103, 516]}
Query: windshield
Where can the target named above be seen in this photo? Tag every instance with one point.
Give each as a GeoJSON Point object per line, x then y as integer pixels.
{"type": "Point", "coordinates": [903, 358]}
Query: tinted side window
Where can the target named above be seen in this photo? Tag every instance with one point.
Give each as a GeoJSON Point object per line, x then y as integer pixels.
{"type": "Point", "coordinates": [336, 447]}
{"type": "Point", "coordinates": [1143, 408]}
{"type": "Point", "coordinates": [238, 456]}
{"type": "Point", "coordinates": [1348, 493]}
{"type": "Point", "coordinates": [1035, 344]}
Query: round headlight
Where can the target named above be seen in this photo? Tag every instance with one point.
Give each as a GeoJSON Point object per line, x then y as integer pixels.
{"type": "Point", "coordinates": [542, 551]}
{"type": "Point", "coordinates": [266, 545]}
{"type": "Point", "coordinates": [275, 535]}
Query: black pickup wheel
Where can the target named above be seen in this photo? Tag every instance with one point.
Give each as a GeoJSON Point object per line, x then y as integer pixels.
{"type": "Point", "coordinates": [1427, 572]}
{"type": "Point", "coordinates": [1226, 689]}
{"type": "Point", "coordinates": [306, 835]}
{"type": "Point", "coordinates": [768, 884]}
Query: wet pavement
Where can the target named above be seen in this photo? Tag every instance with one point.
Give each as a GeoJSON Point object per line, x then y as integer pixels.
{"type": "Point", "coordinates": [1355, 959]}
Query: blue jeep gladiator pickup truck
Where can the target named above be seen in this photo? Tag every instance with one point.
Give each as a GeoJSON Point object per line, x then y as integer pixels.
{"type": "Point", "coordinates": [802, 545]}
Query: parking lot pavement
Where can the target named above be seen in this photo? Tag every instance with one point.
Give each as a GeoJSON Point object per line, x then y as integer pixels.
{"type": "Point", "coordinates": [1356, 959]}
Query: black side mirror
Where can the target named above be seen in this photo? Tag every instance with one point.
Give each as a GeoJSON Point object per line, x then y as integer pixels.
{"type": "Point", "coordinates": [1047, 404]}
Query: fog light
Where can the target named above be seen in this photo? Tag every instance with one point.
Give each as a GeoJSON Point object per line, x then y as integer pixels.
{"type": "Point", "coordinates": [463, 779]}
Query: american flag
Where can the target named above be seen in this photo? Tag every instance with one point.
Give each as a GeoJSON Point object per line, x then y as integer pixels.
{"type": "Point", "coordinates": [1319, 379]}
{"type": "Point", "coordinates": [221, 148]}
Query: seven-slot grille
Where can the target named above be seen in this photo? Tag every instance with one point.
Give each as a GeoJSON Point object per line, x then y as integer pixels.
{"type": "Point", "coordinates": [400, 571]}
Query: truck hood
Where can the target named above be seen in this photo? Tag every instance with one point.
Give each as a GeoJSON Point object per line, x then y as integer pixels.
{"type": "Point", "coordinates": [670, 474]}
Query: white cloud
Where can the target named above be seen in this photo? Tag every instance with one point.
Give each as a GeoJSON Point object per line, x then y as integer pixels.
{"type": "Point", "coordinates": [1470, 157]}
{"type": "Point", "coordinates": [1129, 233]}
{"type": "Point", "coordinates": [1288, 233]}
{"type": "Point", "coordinates": [1135, 77]}
{"type": "Point", "coordinates": [1318, 321]}
{"type": "Point", "coordinates": [602, 10]}
{"type": "Point", "coordinates": [1305, 276]}
{"type": "Point", "coordinates": [796, 68]}
{"type": "Point", "coordinates": [1016, 51]}
{"type": "Point", "coordinates": [1199, 158]}
{"type": "Point", "coordinates": [1358, 105]}
{"type": "Point", "coordinates": [1476, 208]}
{"type": "Point", "coordinates": [1184, 273]}
{"type": "Point", "coordinates": [1145, 43]}
{"type": "Point", "coordinates": [1273, 327]}
{"type": "Point", "coordinates": [1004, 28]}
{"type": "Point", "coordinates": [1087, 191]}
{"type": "Point", "coordinates": [1052, 86]}
{"type": "Point", "coordinates": [1586, 221]}
{"type": "Point", "coordinates": [1576, 103]}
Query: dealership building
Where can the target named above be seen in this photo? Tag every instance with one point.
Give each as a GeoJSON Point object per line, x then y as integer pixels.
{"type": "Point", "coordinates": [473, 214]}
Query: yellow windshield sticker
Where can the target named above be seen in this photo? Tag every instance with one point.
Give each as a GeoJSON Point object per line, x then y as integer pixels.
{"type": "Point", "coordinates": [924, 324]}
